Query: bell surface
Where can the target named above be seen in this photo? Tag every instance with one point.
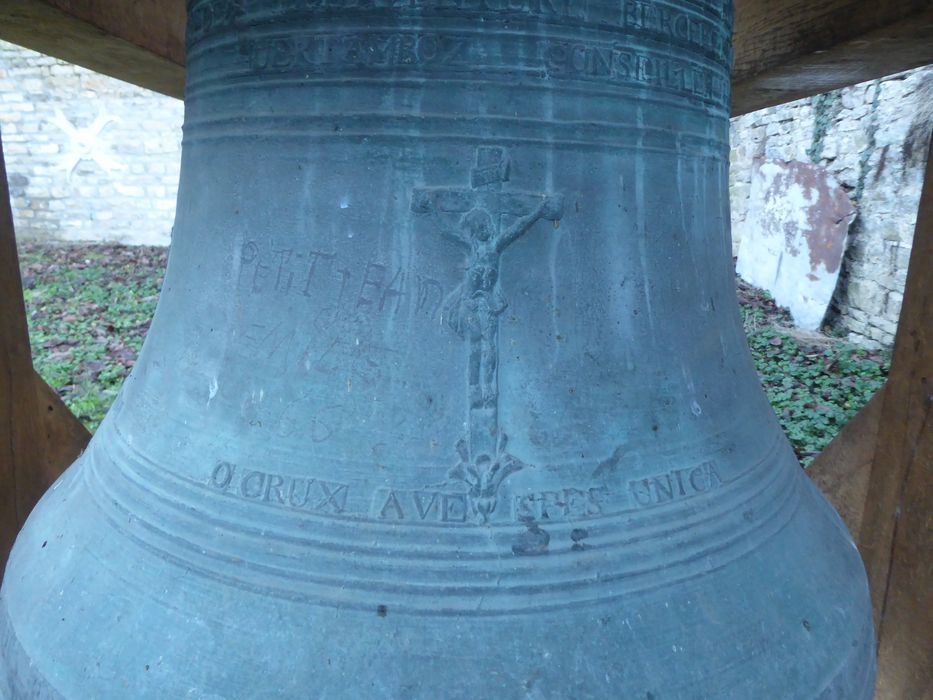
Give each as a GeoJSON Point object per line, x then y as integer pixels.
{"type": "Point", "coordinates": [447, 394]}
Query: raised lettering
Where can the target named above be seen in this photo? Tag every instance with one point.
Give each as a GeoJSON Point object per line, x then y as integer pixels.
{"type": "Point", "coordinates": [454, 508]}
{"type": "Point", "coordinates": [274, 485]}
{"type": "Point", "coordinates": [222, 475]}
{"type": "Point", "coordinates": [252, 485]}
{"type": "Point", "coordinates": [675, 484]}
{"type": "Point", "coordinates": [293, 490]}
{"type": "Point", "coordinates": [392, 508]}
{"type": "Point", "coordinates": [419, 499]}
{"type": "Point", "coordinates": [641, 492]}
{"type": "Point", "coordinates": [281, 490]}
{"type": "Point", "coordinates": [334, 497]}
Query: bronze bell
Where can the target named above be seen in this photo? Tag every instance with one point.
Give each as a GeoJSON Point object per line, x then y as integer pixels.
{"type": "Point", "coordinates": [446, 395]}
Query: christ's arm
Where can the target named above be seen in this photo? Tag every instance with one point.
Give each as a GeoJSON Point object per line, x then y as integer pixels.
{"type": "Point", "coordinates": [423, 202]}
{"type": "Point", "coordinates": [550, 208]}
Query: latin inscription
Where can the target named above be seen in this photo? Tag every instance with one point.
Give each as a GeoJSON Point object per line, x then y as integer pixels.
{"type": "Point", "coordinates": [675, 485]}
{"type": "Point", "coordinates": [560, 504]}
{"type": "Point", "coordinates": [657, 18]}
{"type": "Point", "coordinates": [217, 15]}
{"type": "Point", "coordinates": [588, 58]}
{"type": "Point", "coordinates": [610, 63]}
{"type": "Point", "coordinates": [315, 495]}
{"type": "Point", "coordinates": [620, 64]}
{"type": "Point", "coordinates": [370, 50]}
{"type": "Point", "coordinates": [420, 506]}
{"type": "Point", "coordinates": [637, 16]}
{"type": "Point", "coordinates": [446, 505]}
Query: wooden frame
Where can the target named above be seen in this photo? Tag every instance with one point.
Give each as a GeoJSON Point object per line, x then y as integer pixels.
{"type": "Point", "coordinates": [784, 49]}
{"type": "Point", "coordinates": [877, 471]}
{"type": "Point", "coordinates": [39, 436]}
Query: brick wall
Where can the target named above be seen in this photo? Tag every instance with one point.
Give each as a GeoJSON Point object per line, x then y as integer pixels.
{"type": "Point", "coordinates": [88, 157]}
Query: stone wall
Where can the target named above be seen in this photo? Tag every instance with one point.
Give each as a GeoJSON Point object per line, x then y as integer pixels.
{"type": "Point", "coordinates": [873, 138]}
{"type": "Point", "coordinates": [88, 157]}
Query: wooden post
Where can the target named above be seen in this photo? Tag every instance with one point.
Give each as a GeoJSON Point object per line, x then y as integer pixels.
{"type": "Point", "coordinates": [843, 468]}
{"type": "Point", "coordinates": [878, 472]}
{"type": "Point", "coordinates": [897, 525]}
{"type": "Point", "coordinates": [39, 436]}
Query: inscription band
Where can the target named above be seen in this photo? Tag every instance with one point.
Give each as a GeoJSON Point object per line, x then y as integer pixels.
{"type": "Point", "coordinates": [310, 57]}
{"type": "Point", "coordinates": [670, 22]}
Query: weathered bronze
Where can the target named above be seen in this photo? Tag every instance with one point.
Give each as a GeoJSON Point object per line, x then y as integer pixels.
{"type": "Point", "coordinates": [446, 395]}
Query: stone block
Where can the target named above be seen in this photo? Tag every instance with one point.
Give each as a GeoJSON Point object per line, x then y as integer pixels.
{"type": "Point", "coordinates": [878, 335]}
{"type": "Point", "coordinates": [129, 190]}
{"type": "Point", "coordinates": [895, 301]}
{"type": "Point", "coordinates": [32, 85]}
{"type": "Point", "coordinates": [862, 293]}
{"type": "Point", "coordinates": [853, 97]}
{"type": "Point", "coordinates": [798, 222]}
{"type": "Point", "coordinates": [888, 328]}
{"type": "Point", "coordinates": [856, 316]}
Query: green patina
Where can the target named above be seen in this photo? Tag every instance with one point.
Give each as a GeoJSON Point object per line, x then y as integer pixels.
{"type": "Point", "coordinates": [866, 153]}
{"type": "Point", "coordinates": [825, 108]}
{"type": "Point", "coordinates": [89, 308]}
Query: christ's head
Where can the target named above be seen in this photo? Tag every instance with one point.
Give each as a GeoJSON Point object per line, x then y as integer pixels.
{"type": "Point", "coordinates": [478, 223]}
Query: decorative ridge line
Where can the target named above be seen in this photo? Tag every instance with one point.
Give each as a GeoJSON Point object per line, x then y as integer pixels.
{"type": "Point", "coordinates": [179, 495]}
{"type": "Point", "coordinates": [668, 20]}
{"type": "Point", "coordinates": [468, 53]}
{"type": "Point", "coordinates": [646, 40]}
{"type": "Point", "coordinates": [247, 79]}
{"type": "Point", "coordinates": [340, 592]}
{"type": "Point", "coordinates": [696, 6]}
{"type": "Point", "coordinates": [325, 122]}
{"type": "Point", "coordinates": [478, 139]}
{"type": "Point", "coordinates": [219, 86]}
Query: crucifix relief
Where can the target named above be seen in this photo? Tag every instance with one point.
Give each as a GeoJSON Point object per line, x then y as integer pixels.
{"type": "Point", "coordinates": [485, 220]}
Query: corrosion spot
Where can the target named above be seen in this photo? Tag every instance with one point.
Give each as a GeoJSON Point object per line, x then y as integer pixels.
{"type": "Point", "coordinates": [531, 542]}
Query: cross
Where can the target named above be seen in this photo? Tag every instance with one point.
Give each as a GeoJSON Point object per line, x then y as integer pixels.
{"type": "Point", "coordinates": [486, 220]}
{"type": "Point", "coordinates": [85, 142]}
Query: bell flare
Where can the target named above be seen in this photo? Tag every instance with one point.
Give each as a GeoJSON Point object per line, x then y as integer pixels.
{"type": "Point", "coordinates": [189, 611]}
{"type": "Point", "coordinates": [446, 394]}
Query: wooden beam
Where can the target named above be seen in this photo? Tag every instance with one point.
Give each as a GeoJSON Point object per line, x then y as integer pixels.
{"type": "Point", "coordinates": [39, 437]}
{"type": "Point", "coordinates": [897, 525]}
{"type": "Point", "coordinates": [796, 48]}
{"type": "Point", "coordinates": [784, 49]}
{"type": "Point", "coordinates": [139, 41]}
{"type": "Point", "coordinates": [843, 468]}
{"type": "Point", "coordinates": [19, 427]}
{"type": "Point", "coordinates": [62, 434]}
